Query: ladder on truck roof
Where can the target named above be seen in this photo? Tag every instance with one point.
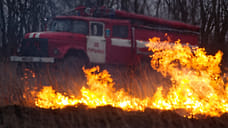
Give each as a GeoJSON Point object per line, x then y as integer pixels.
{"type": "Point", "coordinates": [102, 12]}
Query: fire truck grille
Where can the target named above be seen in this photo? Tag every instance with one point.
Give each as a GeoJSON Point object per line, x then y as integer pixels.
{"type": "Point", "coordinates": [35, 47]}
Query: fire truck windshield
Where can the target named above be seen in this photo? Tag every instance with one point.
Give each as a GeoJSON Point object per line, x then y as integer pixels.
{"type": "Point", "coordinates": [67, 25]}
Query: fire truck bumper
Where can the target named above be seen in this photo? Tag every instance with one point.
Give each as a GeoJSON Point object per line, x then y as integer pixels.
{"type": "Point", "coordinates": [32, 59]}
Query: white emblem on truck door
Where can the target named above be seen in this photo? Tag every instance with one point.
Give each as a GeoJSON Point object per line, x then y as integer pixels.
{"type": "Point", "coordinates": [96, 43]}
{"type": "Point", "coordinates": [96, 49]}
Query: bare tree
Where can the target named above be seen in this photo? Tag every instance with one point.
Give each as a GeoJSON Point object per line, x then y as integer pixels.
{"type": "Point", "coordinates": [178, 9]}
{"type": "Point", "coordinates": [158, 4]}
{"type": "Point", "coordinates": [3, 30]}
{"type": "Point", "coordinates": [214, 21]}
{"type": "Point", "coordinates": [19, 17]}
{"type": "Point", "coordinates": [193, 13]}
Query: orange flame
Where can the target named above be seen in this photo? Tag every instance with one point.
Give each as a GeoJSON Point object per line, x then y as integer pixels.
{"type": "Point", "coordinates": [99, 93]}
{"type": "Point", "coordinates": [197, 86]}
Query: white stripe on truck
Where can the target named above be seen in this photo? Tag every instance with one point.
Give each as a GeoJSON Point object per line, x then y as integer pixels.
{"type": "Point", "coordinates": [141, 44]}
{"type": "Point", "coordinates": [121, 42]}
{"type": "Point", "coordinates": [37, 35]}
{"type": "Point", "coordinates": [31, 35]}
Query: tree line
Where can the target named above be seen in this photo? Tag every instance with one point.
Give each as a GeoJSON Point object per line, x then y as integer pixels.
{"type": "Point", "coordinates": [18, 17]}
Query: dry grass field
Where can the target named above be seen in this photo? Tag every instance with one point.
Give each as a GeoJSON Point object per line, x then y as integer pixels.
{"type": "Point", "coordinates": [16, 112]}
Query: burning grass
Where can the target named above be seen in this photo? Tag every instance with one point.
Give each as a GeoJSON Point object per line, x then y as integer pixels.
{"type": "Point", "coordinates": [197, 87]}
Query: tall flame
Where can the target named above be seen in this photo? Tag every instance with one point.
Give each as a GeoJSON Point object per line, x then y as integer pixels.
{"type": "Point", "coordinates": [197, 85]}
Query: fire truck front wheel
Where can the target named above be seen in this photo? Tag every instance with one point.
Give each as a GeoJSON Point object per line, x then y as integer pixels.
{"type": "Point", "coordinates": [72, 65]}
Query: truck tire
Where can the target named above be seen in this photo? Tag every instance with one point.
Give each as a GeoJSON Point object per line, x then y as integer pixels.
{"type": "Point", "coordinates": [72, 65]}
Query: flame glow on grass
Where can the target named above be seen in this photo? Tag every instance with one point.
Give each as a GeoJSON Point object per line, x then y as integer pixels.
{"type": "Point", "coordinates": [197, 85]}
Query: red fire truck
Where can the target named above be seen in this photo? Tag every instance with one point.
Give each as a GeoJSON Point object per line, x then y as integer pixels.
{"type": "Point", "coordinates": [100, 35]}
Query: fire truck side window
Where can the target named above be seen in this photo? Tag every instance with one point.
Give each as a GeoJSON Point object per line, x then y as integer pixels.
{"type": "Point", "coordinates": [96, 29]}
{"type": "Point", "coordinates": [60, 25]}
{"type": "Point", "coordinates": [120, 31]}
{"type": "Point", "coordinates": [67, 25]}
{"type": "Point", "coordinates": [80, 26]}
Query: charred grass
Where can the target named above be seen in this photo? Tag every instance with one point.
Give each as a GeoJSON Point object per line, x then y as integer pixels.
{"type": "Point", "coordinates": [102, 117]}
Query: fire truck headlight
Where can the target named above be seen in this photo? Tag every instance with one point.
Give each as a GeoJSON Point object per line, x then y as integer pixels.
{"type": "Point", "coordinates": [56, 51]}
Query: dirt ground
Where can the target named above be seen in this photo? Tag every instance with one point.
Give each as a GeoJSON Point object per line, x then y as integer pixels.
{"type": "Point", "coordinates": [102, 117]}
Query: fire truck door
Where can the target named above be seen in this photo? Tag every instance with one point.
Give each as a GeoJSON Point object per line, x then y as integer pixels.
{"type": "Point", "coordinates": [96, 43]}
{"type": "Point", "coordinates": [121, 44]}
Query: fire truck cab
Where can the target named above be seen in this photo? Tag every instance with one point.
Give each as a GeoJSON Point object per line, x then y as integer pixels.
{"type": "Point", "coordinates": [100, 35]}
